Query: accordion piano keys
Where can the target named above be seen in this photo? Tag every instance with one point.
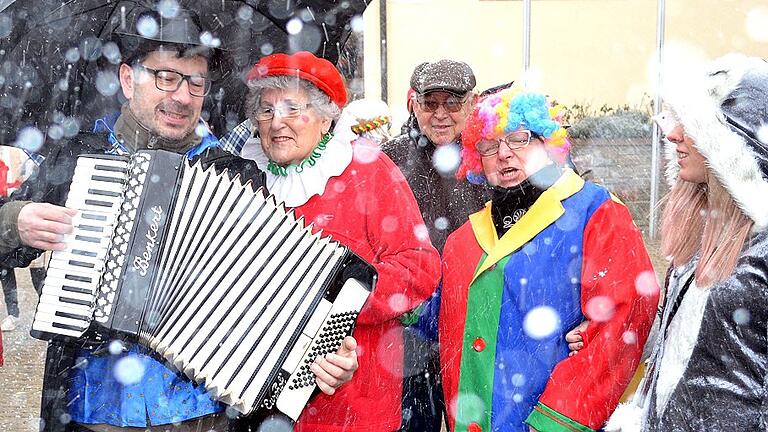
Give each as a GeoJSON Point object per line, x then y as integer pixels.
{"type": "Point", "coordinates": [67, 297]}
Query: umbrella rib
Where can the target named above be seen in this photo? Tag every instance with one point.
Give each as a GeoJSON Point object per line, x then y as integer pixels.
{"type": "Point", "coordinates": [263, 13]}
{"type": "Point", "coordinates": [81, 12]}
{"type": "Point", "coordinates": [101, 30]}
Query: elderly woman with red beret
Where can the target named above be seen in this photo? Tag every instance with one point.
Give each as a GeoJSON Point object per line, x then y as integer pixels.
{"type": "Point", "coordinates": [548, 251]}
{"type": "Point", "coordinates": [362, 201]}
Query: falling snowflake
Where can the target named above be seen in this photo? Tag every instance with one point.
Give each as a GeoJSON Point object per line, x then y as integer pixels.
{"type": "Point", "coordinates": [421, 232]}
{"type": "Point", "coordinates": [168, 8]}
{"type": "Point", "coordinates": [245, 13]}
{"type": "Point", "coordinates": [6, 25]}
{"type": "Point", "coordinates": [274, 424]}
{"type": "Point", "coordinates": [366, 151]}
{"type": "Point", "coordinates": [55, 132]}
{"type": "Point", "coordinates": [472, 407]}
{"type": "Point", "coordinates": [389, 223]}
{"type": "Point", "coordinates": [111, 52]}
{"type": "Point", "coordinates": [147, 26]}
{"type": "Point", "coordinates": [629, 337]}
{"type": "Point", "coordinates": [30, 139]}
{"type": "Point", "coordinates": [398, 302]}
{"type": "Point", "coordinates": [115, 347]}
{"type": "Point", "coordinates": [762, 134]}
{"type": "Point", "coordinates": [600, 308]}
{"type": "Point", "coordinates": [201, 130]}
{"type": "Point", "coordinates": [741, 316]}
{"type": "Point", "coordinates": [107, 83]}
{"type": "Point", "coordinates": [757, 24]}
{"type": "Point", "coordinates": [518, 380]}
{"type": "Point", "coordinates": [446, 159]}
{"type": "Point", "coordinates": [72, 55]}
{"type": "Point", "coordinates": [645, 284]}
{"type": "Point", "coordinates": [541, 322]}
{"type": "Point", "coordinates": [294, 26]}
{"type": "Point", "coordinates": [129, 370]}
{"type": "Point", "coordinates": [267, 49]}
{"type": "Point", "coordinates": [357, 24]}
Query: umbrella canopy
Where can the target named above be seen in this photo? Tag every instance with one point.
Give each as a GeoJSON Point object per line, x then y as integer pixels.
{"type": "Point", "coordinates": [58, 68]}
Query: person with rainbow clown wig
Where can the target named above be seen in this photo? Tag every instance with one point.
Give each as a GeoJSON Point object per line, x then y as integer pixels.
{"type": "Point", "coordinates": [549, 251]}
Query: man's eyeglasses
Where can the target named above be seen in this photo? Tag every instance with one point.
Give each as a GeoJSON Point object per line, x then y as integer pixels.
{"type": "Point", "coordinates": [514, 141]}
{"type": "Point", "coordinates": [265, 113]}
{"type": "Point", "coordinates": [451, 104]}
{"type": "Point", "coordinates": [170, 81]}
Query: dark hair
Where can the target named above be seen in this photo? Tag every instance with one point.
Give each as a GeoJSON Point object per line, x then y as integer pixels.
{"type": "Point", "coordinates": [179, 34]}
{"type": "Point", "coordinates": [216, 60]}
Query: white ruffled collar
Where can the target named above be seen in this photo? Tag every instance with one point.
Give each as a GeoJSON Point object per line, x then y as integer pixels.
{"type": "Point", "coordinates": [296, 188]}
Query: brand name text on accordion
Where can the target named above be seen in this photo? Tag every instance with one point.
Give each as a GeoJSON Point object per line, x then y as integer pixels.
{"type": "Point", "coordinates": [141, 262]}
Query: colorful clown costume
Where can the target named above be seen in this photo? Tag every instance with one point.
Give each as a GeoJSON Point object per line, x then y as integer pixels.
{"type": "Point", "coordinates": [508, 303]}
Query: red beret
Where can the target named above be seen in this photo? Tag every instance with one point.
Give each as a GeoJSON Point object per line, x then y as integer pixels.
{"type": "Point", "coordinates": [319, 71]}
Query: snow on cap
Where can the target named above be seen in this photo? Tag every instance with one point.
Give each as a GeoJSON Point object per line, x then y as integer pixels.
{"type": "Point", "coordinates": [451, 76]}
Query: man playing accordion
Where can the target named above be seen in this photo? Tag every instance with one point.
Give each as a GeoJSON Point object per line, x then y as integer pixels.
{"type": "Point", "coordinates": [164, 79]}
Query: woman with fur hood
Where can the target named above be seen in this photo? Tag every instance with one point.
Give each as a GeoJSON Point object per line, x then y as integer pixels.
{"type": "Point", "coordinates": [709, 363]}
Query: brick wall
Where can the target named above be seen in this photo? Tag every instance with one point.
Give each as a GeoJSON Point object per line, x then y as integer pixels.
{"type": "Point", "coordinates": [623, 165]}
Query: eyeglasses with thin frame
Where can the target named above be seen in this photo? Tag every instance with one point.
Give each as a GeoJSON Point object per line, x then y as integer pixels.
{"type": "Point", "coordinates": [170, 80]}
{"type": "Point", "coordinates": [514, 141]}
{"type": "Point", "coordinates": [286, 111]}
{"type": "Point", "coordinates": [452, 104]}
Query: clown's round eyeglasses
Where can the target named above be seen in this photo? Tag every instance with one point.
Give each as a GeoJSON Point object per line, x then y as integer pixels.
{"type": "Point", "coordinates": [514, 141]}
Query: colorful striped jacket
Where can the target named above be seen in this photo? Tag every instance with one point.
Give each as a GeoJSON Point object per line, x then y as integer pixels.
{"type": "Point", "coordinates": [507, 304]}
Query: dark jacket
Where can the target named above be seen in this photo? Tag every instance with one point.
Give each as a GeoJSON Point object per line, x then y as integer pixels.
{"type": "Point", "coordinates": [723, 387]}
{"type": "Point", "coordinates": [51, 185]}
{"type": "Point", "coordinates": [440, 195]}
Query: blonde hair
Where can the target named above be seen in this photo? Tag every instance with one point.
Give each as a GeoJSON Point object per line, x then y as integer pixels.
{"type": "Point", "coordinates": [704, 219]}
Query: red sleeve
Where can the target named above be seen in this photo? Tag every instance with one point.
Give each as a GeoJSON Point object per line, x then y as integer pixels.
{"type": "Point", "coordinates": [619, 295]}
{"type": "Point", "coordinates": [460, 257]}
{"type": "Point", "coordinates": [407, 263]}
{"type": "Point", "coordinates": [1, 348]}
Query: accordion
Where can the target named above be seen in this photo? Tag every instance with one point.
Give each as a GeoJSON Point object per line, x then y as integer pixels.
{"type": "Point", "coordinates": [213, 276]}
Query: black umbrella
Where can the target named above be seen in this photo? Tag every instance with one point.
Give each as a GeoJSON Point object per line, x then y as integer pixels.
{"type": "Point", "coordinates": [58, 70]}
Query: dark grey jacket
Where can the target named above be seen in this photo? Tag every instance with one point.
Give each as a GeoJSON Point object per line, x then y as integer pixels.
{"type": "Point", "coordinates": [724, 386]}
{"type": "Point", "coordinates": [439, 195]}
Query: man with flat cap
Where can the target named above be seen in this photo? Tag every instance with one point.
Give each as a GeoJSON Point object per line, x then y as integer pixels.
{"type": "Point", "coordinates": [427, 152]}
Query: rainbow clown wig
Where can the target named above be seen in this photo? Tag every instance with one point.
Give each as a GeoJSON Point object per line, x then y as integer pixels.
{"type": "Point", "coordinates": [499, 114]}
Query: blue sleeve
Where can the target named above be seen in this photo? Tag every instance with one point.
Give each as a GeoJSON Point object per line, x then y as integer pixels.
{"type": "Point", "coordinates": [427, 322]}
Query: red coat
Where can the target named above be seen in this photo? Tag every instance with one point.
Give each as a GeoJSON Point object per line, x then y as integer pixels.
{"type": "Point", "coordinates": [371, 209]}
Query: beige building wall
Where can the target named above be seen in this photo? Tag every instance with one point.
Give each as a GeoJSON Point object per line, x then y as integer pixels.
{"type": "Point", "coordinates": [594, 52]}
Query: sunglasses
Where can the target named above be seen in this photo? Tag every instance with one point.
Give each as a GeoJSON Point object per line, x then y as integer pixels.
{"type": "Point", "coordinates": [431, 104]}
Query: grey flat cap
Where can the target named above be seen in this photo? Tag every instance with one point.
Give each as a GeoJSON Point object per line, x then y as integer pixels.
{"type": "Point", "coordinates": [445, 75]}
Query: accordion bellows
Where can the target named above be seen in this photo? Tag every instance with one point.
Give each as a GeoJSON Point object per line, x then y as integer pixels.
{"type": "Point", "coordinates": [217, 278]}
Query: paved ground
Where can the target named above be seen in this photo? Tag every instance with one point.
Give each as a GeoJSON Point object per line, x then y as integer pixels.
{"type": "Point", "coordinates": [21, 377]}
